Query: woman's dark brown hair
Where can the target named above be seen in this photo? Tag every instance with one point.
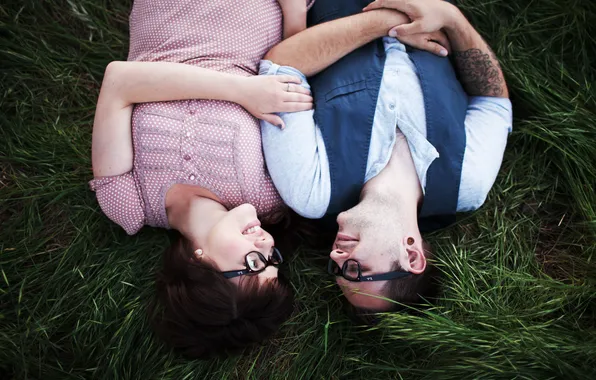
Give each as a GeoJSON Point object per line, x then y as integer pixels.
{"type": "Point", "coordinates": [200, 313]}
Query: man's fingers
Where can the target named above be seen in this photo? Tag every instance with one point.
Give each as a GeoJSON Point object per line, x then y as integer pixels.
{"type": "Point", "coordinates": [294, 97]}
{"type": "Point", "coordinates": [273, 119]}
{"type": "Point", "coordinates": [407, 29]}
{"type": "Point", "coordinates": [423, 42]}
{"type": "Point", "coordinates": [436, 48]}
{"type": "Point", "coordinates": [441, 39]}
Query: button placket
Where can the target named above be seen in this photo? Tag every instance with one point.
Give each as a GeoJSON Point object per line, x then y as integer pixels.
{"type": "Point", "coordinates": [187, 151]}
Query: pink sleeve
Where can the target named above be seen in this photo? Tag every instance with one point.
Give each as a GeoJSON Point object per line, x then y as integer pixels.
{"type": "Point", "coordinates": [120, 200]}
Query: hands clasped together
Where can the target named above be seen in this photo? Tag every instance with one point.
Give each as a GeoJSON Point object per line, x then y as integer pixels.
{"type": "Point", "coordinates": [263, 96]}
{"type": "Point", "coordinates": [428, 18]}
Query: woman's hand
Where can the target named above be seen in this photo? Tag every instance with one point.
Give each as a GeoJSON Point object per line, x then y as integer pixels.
{"type": "Point", "coordinates": [436, 42]}
{"type": "Point", "coordinates": [427, 16]}
{"type": "Point", "coordinates": [263, 96]}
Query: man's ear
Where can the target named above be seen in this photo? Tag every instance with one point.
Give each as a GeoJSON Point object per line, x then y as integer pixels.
{"type": "Point", "coordinates": [416, 257]}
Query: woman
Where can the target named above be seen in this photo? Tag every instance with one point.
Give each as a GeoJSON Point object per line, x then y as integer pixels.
{"type": "Point", "coordinates": [196, 165]}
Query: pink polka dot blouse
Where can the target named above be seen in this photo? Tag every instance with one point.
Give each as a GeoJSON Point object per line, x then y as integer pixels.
{"type": "Point", "coordinates": [212, 144]}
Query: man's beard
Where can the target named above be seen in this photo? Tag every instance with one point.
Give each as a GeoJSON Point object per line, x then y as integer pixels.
{"type": "Point", "coordinates": [377, 217]}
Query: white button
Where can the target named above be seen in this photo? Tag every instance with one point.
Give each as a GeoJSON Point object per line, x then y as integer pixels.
{"type": "Point", "coordinates": [191, 177]}
{"type": "Point", "coordinates": [391, 106]}
{"type": "Point", "coordinates": [188, 134]}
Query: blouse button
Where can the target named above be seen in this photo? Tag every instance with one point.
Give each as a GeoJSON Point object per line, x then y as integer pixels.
{"type": "Point", "coordinates": [191, 177]}
{"type": "Point", "coordinates": [188, 134]}
{"type": "Point", "coordinates": [187, 157]}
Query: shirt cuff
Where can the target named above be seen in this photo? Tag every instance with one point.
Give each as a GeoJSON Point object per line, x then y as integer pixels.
{"type": "Point", "coordinates": [267, 67]}
{"type": "Point", "coordinates": [501, 106]}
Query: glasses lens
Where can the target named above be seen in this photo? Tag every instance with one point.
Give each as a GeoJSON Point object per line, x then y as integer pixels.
{"type": "Point", "coordinates": [351, 270]}
{"type": "Point", "coordinates": [254, 262]}
{"type": "Point", "coordinates": [276, 258]}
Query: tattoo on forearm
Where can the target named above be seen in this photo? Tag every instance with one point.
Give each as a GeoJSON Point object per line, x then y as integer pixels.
{"type": "Point", "coordinates": [479, 72]}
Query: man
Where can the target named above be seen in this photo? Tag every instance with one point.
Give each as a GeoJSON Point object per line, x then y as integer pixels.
{"type": "Point", "coordinates": [394, 139]}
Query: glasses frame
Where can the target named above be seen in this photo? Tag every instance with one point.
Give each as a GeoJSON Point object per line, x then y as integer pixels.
{"type": "Point", "coordinates": [247, 271]}
{"type": "Point", "coordinates": [331, 265]}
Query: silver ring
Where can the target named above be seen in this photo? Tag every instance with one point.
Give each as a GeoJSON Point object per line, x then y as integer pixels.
{"type": "Point", "coordinates": [288, 89]}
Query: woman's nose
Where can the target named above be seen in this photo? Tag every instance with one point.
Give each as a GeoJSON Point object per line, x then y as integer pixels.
{"type": "Point", "coordinates": [264, 242]}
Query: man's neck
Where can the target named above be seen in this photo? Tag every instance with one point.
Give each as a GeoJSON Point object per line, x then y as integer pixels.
{"type": "Point", "coordinates": [398, 180]}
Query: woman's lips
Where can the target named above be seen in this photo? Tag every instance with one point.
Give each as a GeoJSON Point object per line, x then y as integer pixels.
{"type": "Point", "coordinates": [254, 223]}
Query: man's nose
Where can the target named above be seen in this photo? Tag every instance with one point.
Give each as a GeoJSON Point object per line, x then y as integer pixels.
{"type": "Point", "coordinates": [341, 218]}
{"type": "Point", "coordinates": [339, 256]}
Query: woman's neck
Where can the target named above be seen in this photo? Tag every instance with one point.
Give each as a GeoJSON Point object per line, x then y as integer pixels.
{"type": "Point", "coordinates": [194, 215]}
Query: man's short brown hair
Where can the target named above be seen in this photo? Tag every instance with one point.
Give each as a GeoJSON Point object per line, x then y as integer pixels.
{"type": "Point", "coordinates": [408, 291]}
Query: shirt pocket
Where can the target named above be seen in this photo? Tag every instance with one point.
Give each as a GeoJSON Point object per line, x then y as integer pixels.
{"type": "Point", "coordinates": [212, 150]}
{"type": "Point", "coordinates": [345, 90]}
{"type": "Point", "coordinates": [157, 140]}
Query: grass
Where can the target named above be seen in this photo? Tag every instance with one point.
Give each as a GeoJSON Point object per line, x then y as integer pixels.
{"type": "Point", "coordinates": [519, 284]}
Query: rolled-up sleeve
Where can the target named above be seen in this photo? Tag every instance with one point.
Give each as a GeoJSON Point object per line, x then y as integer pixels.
{"type": "Point", "coordinates": [119, 199]}
{"type": "Point", "coordinates": [488, 124]}
{"type": "Point", "coordinates": [296, 157]}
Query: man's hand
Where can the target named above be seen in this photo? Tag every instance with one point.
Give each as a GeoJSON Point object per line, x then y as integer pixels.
{"type": "Point", "coordinates": [263, 96]}
{"type": "Point", "coordinates": [424, 32]}
{"type": "Point", "coordinates": [427, 16]}
{"type": "Point", "coordinates": [478, 67]}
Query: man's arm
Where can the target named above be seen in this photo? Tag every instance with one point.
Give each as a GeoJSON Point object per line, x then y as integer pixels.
{"type": "Point", "coordinates": [296, 156]}
{"type": "Point", "coordinates": [478, 67]}
{"type": "Point", "coordinates": [316, 48]}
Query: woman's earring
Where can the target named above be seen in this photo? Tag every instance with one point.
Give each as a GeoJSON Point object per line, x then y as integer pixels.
{"type": "Point", "coordinates": [410, 240]}
{"type": "Point", "coordinates": [198, 252]}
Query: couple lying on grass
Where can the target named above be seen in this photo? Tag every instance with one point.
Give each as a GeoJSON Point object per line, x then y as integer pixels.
{"type": "Point", "coordinates": [395, 142]}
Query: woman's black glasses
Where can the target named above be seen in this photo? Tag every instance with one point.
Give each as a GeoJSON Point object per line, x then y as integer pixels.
{"type": "Point", "coordinates": [351, 271]}
{"type": "Point", "coordinates": [256, 263]}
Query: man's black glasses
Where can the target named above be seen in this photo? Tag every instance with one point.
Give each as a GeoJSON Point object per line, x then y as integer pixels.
{"type": "Point", "coordinates": [351, 271]}
{"type": "Point", "coordinates": [256, 263]}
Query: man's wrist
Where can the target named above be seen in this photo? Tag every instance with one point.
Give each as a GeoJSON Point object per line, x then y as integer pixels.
{"type": "Point", "coordinates": [455, 21]}
{"type": "Point", "coordinates": [383, 20]}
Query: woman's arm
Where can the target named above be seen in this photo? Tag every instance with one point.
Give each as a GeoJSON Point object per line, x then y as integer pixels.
{"type": "Point", "coordinates": [127, 83]}
{"type": "Point", "coordinates": [294, 16]}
